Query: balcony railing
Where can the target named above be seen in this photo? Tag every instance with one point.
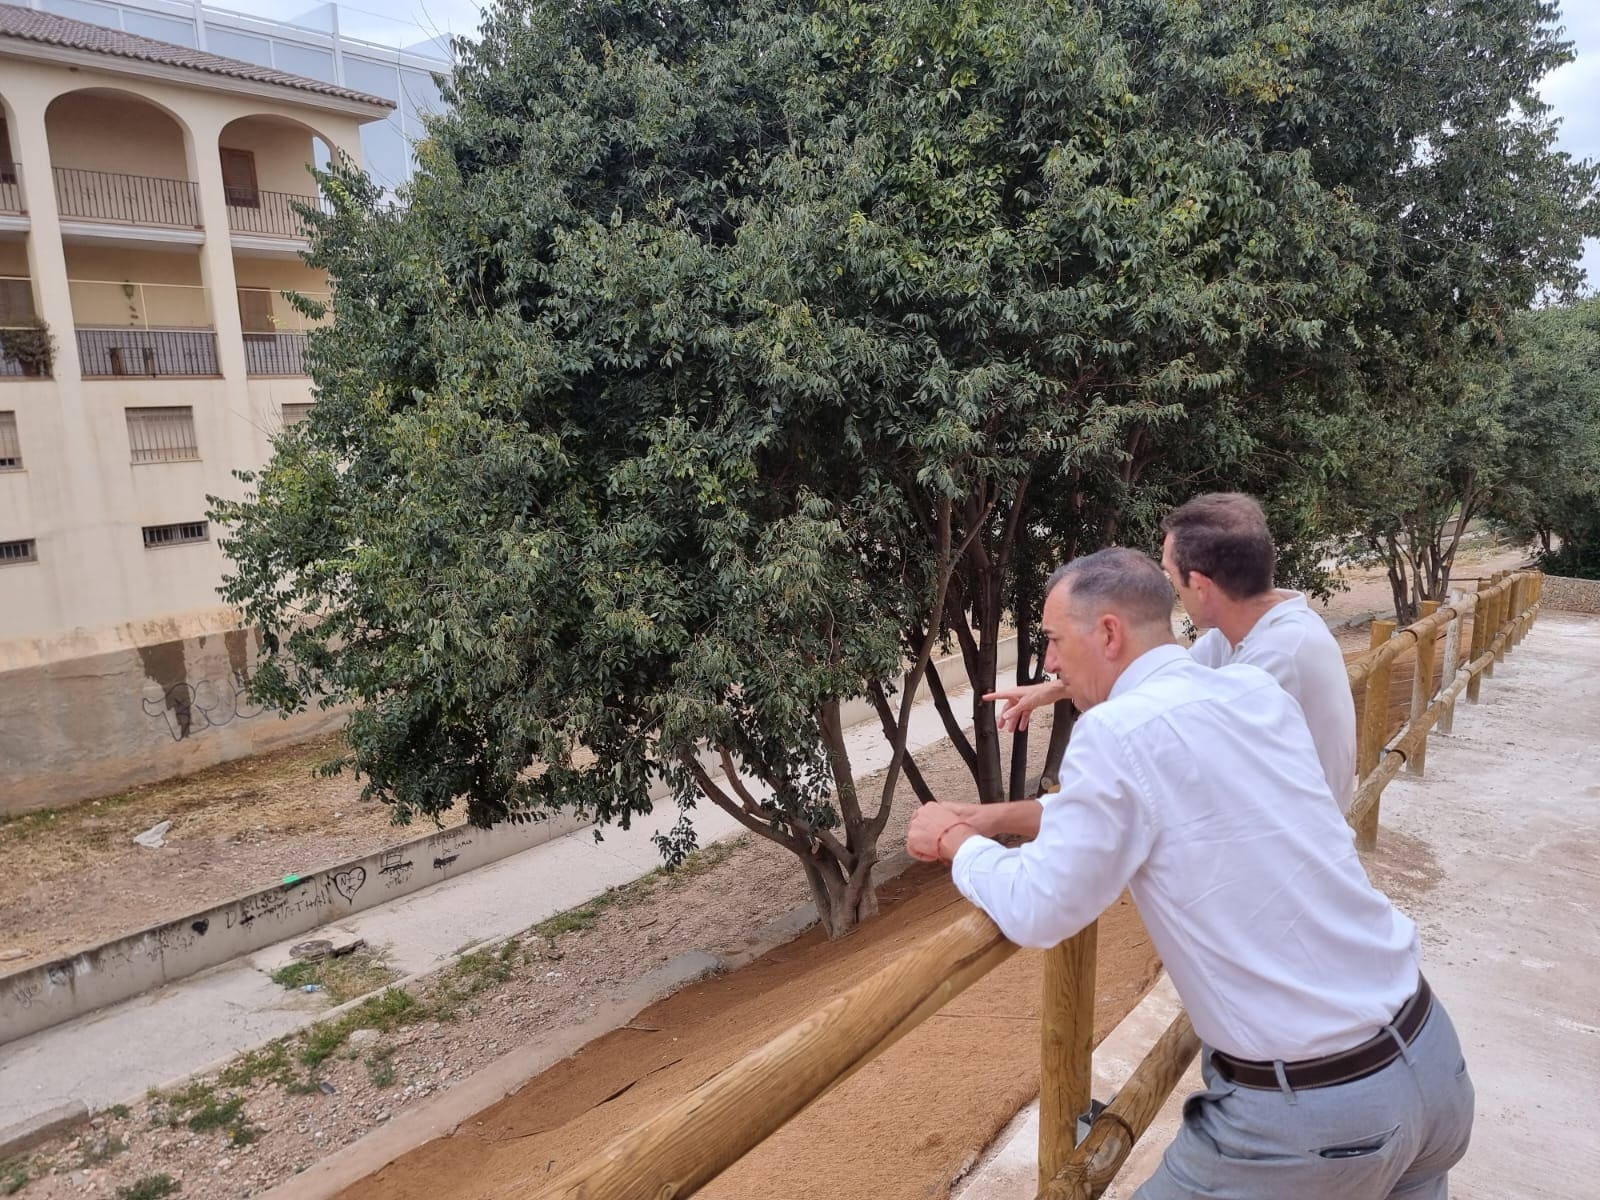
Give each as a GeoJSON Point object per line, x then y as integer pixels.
{"type": "Point", "coordinates": [148, 352]}
{"type": "Point", "coordinates": [10, 187]}
{"type": "Point", "coordinates": [127, 199]}
{"type": "Point", "coordinates": [143, 329]}
{"type": "Point", "coordinates": [269, 212]}
{"type": "Point", "coordinates": [275, 353]}
{"type": "Point", "coordinates": [116, 353]}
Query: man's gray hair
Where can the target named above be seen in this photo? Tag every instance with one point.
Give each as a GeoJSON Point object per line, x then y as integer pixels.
{"type": "Point", "coordinates": [1118, 580]}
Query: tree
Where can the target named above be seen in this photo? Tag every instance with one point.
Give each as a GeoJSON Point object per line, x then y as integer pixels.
{"type": "Point", "coordinates": [1551, 489]}
{"type": "Point", "coordinates": [544, 527]}
{"type": "Point", "coordinates": [727, 358]}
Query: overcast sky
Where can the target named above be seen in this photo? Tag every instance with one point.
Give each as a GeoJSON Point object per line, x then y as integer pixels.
{"type": "Point", "coordinates": [1573, 91]}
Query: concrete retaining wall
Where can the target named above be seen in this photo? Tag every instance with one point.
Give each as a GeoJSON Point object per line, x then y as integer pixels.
{"type": "Point", "coordinates": [49, 993]}
{"type": "Point", "coordinates": [146, 708]}
{"type": "Point", "coordinates": [1571, 595]}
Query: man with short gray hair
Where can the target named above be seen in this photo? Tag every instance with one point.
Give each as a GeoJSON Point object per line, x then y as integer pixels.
{"type": "Point", "coordinates": [1332, 1072]}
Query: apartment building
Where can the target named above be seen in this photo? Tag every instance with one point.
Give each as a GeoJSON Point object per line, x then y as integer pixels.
{"type": "Point", "coordinates": [148, 234]}
{"type": "Point", "coordinates": [148, 224]}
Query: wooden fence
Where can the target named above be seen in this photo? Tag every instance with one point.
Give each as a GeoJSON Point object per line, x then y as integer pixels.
{"type": "Point", "coordinates": [1449, 650]}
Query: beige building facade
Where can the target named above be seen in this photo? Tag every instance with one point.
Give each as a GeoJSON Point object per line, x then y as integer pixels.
{"type": "Point", "coordinates": [148, 233]}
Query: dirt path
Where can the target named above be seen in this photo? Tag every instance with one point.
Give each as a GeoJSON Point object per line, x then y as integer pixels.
{"type": "Point", "coordinates": [898, 1130]}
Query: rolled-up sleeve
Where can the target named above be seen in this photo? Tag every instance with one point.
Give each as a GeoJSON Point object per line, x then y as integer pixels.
{"type": "Point", "coordinates": [1093, 835]}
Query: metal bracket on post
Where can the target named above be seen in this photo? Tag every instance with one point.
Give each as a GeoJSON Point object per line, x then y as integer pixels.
{"type": "Point", "coordinates": [1086, 1120]}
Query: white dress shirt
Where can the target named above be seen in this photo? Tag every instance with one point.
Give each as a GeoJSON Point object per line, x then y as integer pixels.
{"type": "Point", "coordinates": [1292, 644]}
{"type": "Point", "coordinates": [1200, 791]}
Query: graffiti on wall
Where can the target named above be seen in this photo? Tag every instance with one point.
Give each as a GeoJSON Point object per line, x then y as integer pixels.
{"type": "Point", "coordinates": [188, 707]}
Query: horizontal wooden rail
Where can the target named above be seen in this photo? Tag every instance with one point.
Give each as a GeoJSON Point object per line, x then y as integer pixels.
{"type": "Point", "coordinates": [724, 1118]}
{"type": "Point", "coordinates": [1095, 1163]}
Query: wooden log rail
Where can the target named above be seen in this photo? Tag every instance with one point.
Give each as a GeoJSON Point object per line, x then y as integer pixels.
{"type": "Point", "coordinates": [690, 1142]}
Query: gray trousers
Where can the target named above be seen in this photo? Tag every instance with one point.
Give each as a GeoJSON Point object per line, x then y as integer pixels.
{"type": "Point", "coordinates": [1393, 1134]}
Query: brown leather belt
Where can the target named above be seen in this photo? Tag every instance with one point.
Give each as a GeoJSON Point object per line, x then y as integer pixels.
{"type": "Point", "coordinates": [1371, 1056]}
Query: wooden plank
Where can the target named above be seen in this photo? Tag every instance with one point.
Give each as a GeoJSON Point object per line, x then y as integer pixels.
{"type": "Point", "coordinates": [690, 1141]}
{"type": "Point", "coordinates": [1093, 1165]}
{"type": "Point", "coordinates": [1066, 1047]}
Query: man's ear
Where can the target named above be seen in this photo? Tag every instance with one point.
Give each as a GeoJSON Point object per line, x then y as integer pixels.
{"type": "Point", "coordinates": [1112, 635]}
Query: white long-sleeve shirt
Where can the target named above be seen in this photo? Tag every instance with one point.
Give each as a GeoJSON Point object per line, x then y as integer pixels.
{"type": "Point", "coordinates": [1199, 789]}
{"type": "Point", "coordinates": [1292, 644]}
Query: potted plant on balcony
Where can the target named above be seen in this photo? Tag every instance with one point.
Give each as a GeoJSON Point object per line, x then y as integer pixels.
{"type": "Point", "coordinates": [29, 345]}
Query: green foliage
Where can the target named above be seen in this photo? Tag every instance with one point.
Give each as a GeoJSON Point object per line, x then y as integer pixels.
{"type": "Point", "coordinates": [150, 1187]}
{"type": "Point", "coordinates": [14, 1176]}
{"type": "Point", "coordinates": [342, 977]}
{"type": "Point", "coordinates": [1551, 489]}
{"type": "Point", "coordinates": [726, 357]}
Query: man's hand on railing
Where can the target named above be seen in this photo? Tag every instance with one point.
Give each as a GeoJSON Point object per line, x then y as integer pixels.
{"type": "Point", "coordinates": [937, 831]}
{"type": "Point", "coordinates": [1018, 817]}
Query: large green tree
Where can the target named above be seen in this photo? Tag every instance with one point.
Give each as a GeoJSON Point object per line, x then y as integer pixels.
{"type": "Point", "coordinates": [727, 358]}
{"type": "Point", "coordinates": [1550, 489]}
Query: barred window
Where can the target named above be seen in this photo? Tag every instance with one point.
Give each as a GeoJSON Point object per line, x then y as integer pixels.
{"type": "Point", "coordinates": [10, 446]}
{"type": "Point", "coordinates": [22, 551]}
{"type": "Point", "coordinates": [293, 414]}
{"type": "Point", "coordinates": [175, 535]}
{"type": "Point", "coordinates": [162, 434]}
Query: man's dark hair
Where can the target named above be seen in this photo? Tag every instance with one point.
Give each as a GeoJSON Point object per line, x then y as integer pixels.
{"type": "Point", "coordinates": [1224, 536]}
{"type": "Point", "coordinates": [1122, 580]}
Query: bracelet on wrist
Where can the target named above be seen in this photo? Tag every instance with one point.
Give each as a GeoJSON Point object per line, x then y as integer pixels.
{"type": "Point", "coordinates": [938, 845]}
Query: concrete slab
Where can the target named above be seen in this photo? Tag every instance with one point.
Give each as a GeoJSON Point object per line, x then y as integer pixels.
{"type": "Point", "coordinates": [1496, 854]}
{"type": "Point", "coordinates": [118, 1053]}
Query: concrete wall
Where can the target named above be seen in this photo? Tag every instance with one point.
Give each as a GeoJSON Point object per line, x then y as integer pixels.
{"type": "Point", "coordinates": [41, 996]}
{"type": "Point", "coordinates": [98, 722]}
{"type": "Point", "coordinates": [1571, 595]}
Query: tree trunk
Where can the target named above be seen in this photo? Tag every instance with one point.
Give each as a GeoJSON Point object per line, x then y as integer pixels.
{"type": "Point", "coordinates": [1017, 786]}
{"type": "Point", "coordinates": [1064, 717]}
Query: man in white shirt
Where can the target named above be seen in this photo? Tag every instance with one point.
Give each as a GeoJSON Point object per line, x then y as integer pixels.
{"type": "Point", "coordinates": [1219, 555]}
{"type": "Point", "coordinates": [1332, 1072]}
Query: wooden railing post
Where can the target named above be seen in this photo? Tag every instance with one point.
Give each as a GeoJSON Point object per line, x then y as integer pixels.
{"type": "Point", "coordinates": [1497, 618]}
{"type": "Point", "coordinates": [1452, 655]}
{"type": "Point", "coordinates": [1422, 688]}
{"type": "Point", "coordinates": [1519, 601]}
{"type": "Point", "coordinates": [1374, 731]}
{"type": "Point", "coordinates": [1480, 620]}
{"type": "Point", "coordinates": [1066, 1049]}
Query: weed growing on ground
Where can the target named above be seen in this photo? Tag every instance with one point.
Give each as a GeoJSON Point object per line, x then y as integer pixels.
{"type": "Point", "coordinates": [380, 1067]}
{"type": "Point", "coordinates": [14, 1176]}
{"type": "Point", "coordinates": [344, 977]}
{"type": "Point", "coordinates": [583, 917]}
{"type": "Point", "coordinates": [102, 1151]}
{"type": "Point", "coordinates": [384, 1012]}
{"type": "Point", "coordinates": [271, 1062]}
{"type": "Point", "coordinates": [151, 1187]}
{"type": "Point", "coordinates": [120, 1111]}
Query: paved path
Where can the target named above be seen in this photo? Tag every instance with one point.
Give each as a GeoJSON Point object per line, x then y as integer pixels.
{"type": "Point", "coordinates": [1496, 854]}
{"type": "Point", "coordinates": [118, 1053]}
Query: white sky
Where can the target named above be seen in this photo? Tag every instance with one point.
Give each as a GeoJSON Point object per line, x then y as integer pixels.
{"type": "Point", "coordinates": [1573, 91]}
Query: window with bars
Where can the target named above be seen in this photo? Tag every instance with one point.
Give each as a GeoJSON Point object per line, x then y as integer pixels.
{"type": "Point", "coordinates": [293, 414]}
{"type": "Point", "coordinates": [162, 434]}
{"type": "Point", "coordinates": [22, 551]}
{"type": "Point", "coordinates": [10, 445]}
{"type": "Point", "coordinates": [175, 535]}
